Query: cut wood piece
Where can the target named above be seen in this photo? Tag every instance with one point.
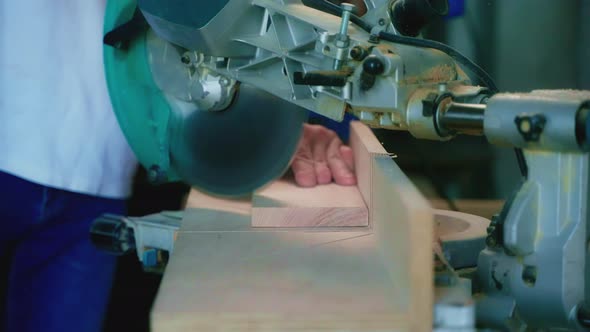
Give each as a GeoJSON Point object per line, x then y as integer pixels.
{"type": "Point", "coordinates": [365, 147]}
{"type": "Point", "coordinates": [402, 220]}
{"type": "Point", "coordinates": [404, 224]}
{"type": "Point", "coordinates": [284, 204]}
{"type": "Point", "coordinates": [200, 200]}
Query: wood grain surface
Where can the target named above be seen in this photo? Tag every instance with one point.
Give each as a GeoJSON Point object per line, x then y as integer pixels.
{"type": "Point", "coordinates": [284, 204]}
{"type": "Point", "coordinates": [226, 275]}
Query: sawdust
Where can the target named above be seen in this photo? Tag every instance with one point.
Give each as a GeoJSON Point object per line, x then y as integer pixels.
{"type": "Point", "coordinates": [438, 74]}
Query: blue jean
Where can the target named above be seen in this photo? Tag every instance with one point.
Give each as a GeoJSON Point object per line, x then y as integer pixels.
{"type": "Point", "coordinates": [57, 280]}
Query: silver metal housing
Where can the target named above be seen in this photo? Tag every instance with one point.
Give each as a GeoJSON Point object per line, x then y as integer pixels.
{"type": "Point", "coordinates": [264, 42]}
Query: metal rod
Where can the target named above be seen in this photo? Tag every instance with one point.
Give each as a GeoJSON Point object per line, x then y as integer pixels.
{"type": "Point", "coordinates": [462, 118]}
{"type": "Point", "coordinates": [347, 9]}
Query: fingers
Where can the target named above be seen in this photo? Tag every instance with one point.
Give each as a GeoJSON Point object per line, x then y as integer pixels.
{"type": "Point", "coordinates": [347, 156]}
{"type": "Point", "coordinates": [340, 163]}
{"type": "Point", "coordinates": [320, 140]}
{"type": "Point", "coordinates": [321, 157]}
{"type": "Point", "coordinates": [303, 166]}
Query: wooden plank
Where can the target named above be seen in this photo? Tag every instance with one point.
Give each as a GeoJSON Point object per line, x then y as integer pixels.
{"type": "Point", "coordinates": [284, 204]}
{"type": "Point", "coordinates": [281, 281]}
{"type": "Point", "coordinates": [404, 223]}
{"type": "Point", "coordinates": [389, 194]}
{"type": "Point", "coordinates": [482, 208]}
{"type": "Point", "coordinates": [365, 147]}
{"type": "Point", "coordinates": [225, 275]}
{"type": "Point", "coordinates": [197, 199]}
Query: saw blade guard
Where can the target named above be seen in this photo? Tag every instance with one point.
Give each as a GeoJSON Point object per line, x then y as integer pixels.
{"type": "Point", "coordinates": [239, 150]}
{"type": "Point", "coordinates": [228, 153]}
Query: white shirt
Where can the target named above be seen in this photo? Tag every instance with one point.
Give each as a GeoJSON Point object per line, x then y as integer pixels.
{"type": "Point", "coordinates": [57, 127]}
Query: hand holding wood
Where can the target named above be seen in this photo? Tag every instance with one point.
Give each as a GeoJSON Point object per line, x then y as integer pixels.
{"type": "Point", "coordinates": [322, 158]}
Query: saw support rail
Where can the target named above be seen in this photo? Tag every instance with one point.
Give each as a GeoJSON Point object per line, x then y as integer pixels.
{"type": "Point", "coordinates": [151, 237]}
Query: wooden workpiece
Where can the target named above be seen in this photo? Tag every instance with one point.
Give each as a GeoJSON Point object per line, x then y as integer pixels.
{"type": "Point", "coordinates": [225, 275]}
{"type": "Point", "coordinates": [482, 208]}
{"type": "Point", "coordinates": [284, 204]}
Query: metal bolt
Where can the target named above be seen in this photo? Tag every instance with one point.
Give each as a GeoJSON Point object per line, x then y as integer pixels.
{"type": "Point", "coordinates": [358, 53]}
{"type": "Point", "coordinates": [155, 175]}
{"type": "Point", "coordinates": [224, 82]}
{"type": "Point", "coordinates": [381, 21]}
{"type": "Point", "coordinates": [491, 241]}
{"type": "Point", "coordinates": [185, 59]}
{"type": "Point", "coordinates": [347, 9]}
{"type": "Point", "coordinates": [374, 39]}
{"type": "Point", "coordinates": [529, 275]}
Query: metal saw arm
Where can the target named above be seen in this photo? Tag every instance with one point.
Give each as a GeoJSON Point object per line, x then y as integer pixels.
{"type": "Point", "coordinates": [310, 58]}
{"type": "Point", "coordinates": [218, 99]}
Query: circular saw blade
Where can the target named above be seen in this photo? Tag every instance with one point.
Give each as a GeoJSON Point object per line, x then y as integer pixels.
{"type": "Point", "coordinates": [227, 153]}
{"type": "Point", "coordinates": [238, 150]}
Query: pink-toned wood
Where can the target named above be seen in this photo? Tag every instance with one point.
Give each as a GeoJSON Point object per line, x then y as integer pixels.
{"type": "Point", "coordinates": [366, 147]}
{"type": "Point", "coordinates": [225, 275]}
{"type": "Point", "coordinates": [403, 222]}
{"type": "Point", "coordinates": [284, 204]}
{"type": "Point", "coordinates": [200, 200]}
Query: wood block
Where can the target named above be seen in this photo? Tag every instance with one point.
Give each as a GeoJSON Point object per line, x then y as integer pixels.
{"type": "Point", "coordinates": [284, 204]}
{"type": "Point", "coordinates": [200, 200]}
{"type": "Point", "coordinates": [482, 208]}
{"type": "Point", "coordinates": [225, 275]}
{"type": "Point", "coordinates": [404, 224]}
{"type": "Point", "coordinates": [396, 207]}
{"type": "Point", "coordinates": [277, 280]}
{"type": "Point", "coordinates": [365, 147]}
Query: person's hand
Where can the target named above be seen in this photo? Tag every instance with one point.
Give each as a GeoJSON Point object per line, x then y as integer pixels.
{"type": "Point", "coordinates": [322, 158]}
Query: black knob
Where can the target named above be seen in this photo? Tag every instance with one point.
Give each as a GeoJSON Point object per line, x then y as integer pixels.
{"type": "Point", "coordinates": [530, 126]}
{"type": "Point", "coordinates": [112, 234]}
{"type": "Point", "coordinates": [373, 66]}
{"type": "Point", "coordinates": [410, 16]}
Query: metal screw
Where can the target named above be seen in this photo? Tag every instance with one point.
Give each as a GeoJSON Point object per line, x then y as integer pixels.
{"type": "Point", "coordinates": [347, 9]}
{"type": "Point", "coordinates": [374, 39]}
{"type": "Point", "coordinates": [491, 242]}
{"type": "Point", "coordinates": [529, 275]}
{"type": "Point", "coordinates": [155, 175]}
{"type": "Point", "coordinates": [358, 53]}
{"type": "Point", "coordinates": [381, 21]}
{"type": "Point", "coordinates": [224, 82]}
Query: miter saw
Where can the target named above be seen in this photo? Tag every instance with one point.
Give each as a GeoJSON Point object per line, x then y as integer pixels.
{"type": "Point", "coordinates": [215, 93]}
